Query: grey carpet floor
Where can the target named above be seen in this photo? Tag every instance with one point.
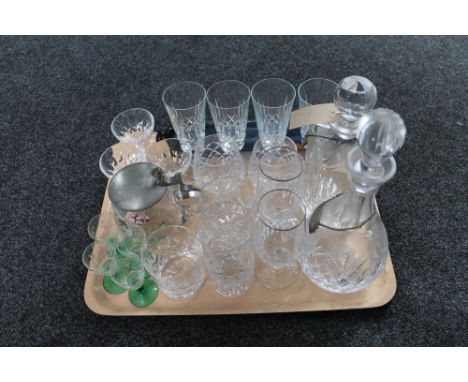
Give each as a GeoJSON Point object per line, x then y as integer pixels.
{"type": "Point", "coordinates": [58, 96]}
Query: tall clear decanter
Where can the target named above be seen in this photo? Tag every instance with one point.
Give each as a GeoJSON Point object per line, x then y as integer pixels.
{"type": "Point", "coordinates": [346, 247]}
{"type": "Point", "coordinates": [328, 144]}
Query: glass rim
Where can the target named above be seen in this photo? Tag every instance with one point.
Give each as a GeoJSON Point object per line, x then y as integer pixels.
{"type": "Point", "coordinates": [172, 226]}
{"type": "Point", "coordinates": [312, 79]}
{"type": "Point", "coordinates": [132, 149]}
{"type": "Point", "coordinates": [259, 141]}
{"type": "Point", "coordinates": [184, 82]}
{"type": "Point", "coordinates": [132, 227]}
{"type": "Point", "coordinates": [296, 195]}
{"type": "Point", "coordinates": [133, 109]}
{"type": "Point", "coordinates": [230, 107]}
{"type": "Point", "coordinates": [280, 180]}
{"type": "Point", "coordinates": [269, 79]}
{"type": "Point", "coordinates": [90, 249]}
{"type": "Point", "coordinates": [97, 217]}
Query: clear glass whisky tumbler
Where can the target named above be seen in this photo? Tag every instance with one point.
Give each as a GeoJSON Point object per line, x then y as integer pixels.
{"type": "Point", "coordinates": [174, 257]}
{"type": "Point", "coordinates": [226, 229]}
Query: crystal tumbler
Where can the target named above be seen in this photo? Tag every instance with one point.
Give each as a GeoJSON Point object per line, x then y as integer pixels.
{"type": "Point", "coordinates": [226, 230]}
{"type": "Point", "coordinates": [273, 100]}
{"type": "Point", "coordinates": [279, 232]}
{"type": "Point", "coordinates": [218, 166]}
{"type": "Point", "coordinates": [174, 257]}
{"type": "Point", "coordinates": [229, 106]}
{"type": "Point", "coordinates": [185, 104]}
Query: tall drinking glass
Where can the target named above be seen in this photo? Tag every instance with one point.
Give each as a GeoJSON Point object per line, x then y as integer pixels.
{"type": "Point", "coordinates": [316, 91]}
{"type": "Point", "coordinates": [226, 231]}
{"type": "Point", "coordinates": [185, 104]}
{"type": "Point", "coordinates": [273, 100]}
{"type": "Point", "coordinates": [322, 154]}
{"type": "Point", "coordinates": [279, 232]}
{"type": "Point", "coordinates": [229, 106]}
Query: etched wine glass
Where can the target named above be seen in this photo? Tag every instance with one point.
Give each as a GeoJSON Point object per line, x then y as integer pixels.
{"type": "Point", "coordinates": [273, 100]}
{"type": "Point", "coordinates": [172, 157]}
{"type": "Point", "coordinates": [118, 156]}
{"type": "Point", "coordinates": [185, 103]}
{"type": "Point", "coordinates": [229, 106]}
{"type": "Point", "coordinates": [98, 257]}
{"type": "Point", "coordinates": [106, 228]}
{"type": "Point", "coordinates": [131, 276]}
{"type": "Point", "coordinates": [133, 126]}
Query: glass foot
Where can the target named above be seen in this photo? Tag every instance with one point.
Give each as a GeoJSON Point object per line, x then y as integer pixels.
{"type": "Point", "coordinates": [111, 287]}
{"type": "Point", "coordinates": [145, 295]}
{"type": "Point", "coordinates": [276, 278]}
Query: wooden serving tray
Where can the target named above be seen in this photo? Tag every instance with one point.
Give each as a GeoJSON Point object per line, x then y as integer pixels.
{"type": "Point", "coordinates": [303, 295]}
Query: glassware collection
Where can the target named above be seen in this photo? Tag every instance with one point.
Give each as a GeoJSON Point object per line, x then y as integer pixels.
{"type": "Point", "coordinates": [194, 208]}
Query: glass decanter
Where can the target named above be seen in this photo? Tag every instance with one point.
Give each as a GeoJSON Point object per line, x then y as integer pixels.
{"type": "Point", "coordinates": [328, 144]}
{"type": "Point", "coordinates": [347, 246]}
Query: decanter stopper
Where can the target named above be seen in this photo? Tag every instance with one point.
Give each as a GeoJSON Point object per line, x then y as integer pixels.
{"type": "Point", "coordinates": [354, 96]}
{"type": "Point", "coordinates": [381, 134]}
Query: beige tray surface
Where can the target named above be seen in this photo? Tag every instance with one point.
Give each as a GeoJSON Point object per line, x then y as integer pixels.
{"type": "Point", "coordinates": [303, 295]}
